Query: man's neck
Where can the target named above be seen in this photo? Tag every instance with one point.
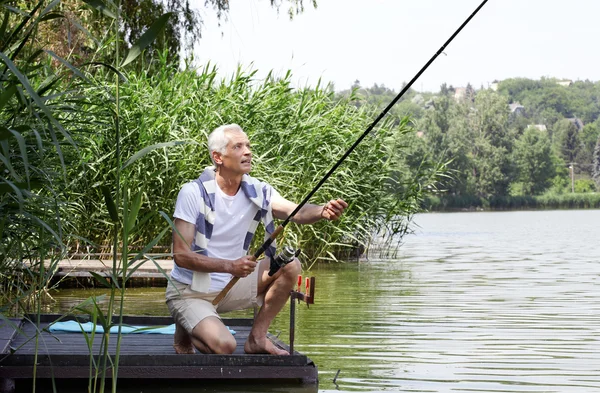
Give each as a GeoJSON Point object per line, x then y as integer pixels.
{"type": "Point", "coordinates": [228, 183]}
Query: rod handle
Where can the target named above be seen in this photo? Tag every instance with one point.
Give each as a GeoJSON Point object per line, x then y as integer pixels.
{"type": "Point", "coordinates": [225, 290]}
{"type": "Point", "coordinates": [257, 255]}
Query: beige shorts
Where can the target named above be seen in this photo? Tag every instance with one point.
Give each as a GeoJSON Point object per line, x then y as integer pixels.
{"type": "Point", "coordinates": [189, 307]}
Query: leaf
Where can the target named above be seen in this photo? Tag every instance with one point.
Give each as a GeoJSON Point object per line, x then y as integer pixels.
{"type": "Point", "coordinates": [102, 280]}
{"type": "Point", "coordinates": [172, 225]}
{"type": "Point", "coordinates": [52, 15]}
{"type": "Point", "coordinates": [146, 249]}
{"type": "Point", "coordinates": [16, 327]}
{"type": "Point", "coordinates": [6, 95]}
{"type": "Point", "coordinates": [23, 149]}
{"type": "Point", "coordinates": [110, 67]}
{"type": "Point", "coordinates": [160, 269]}
{"type": "Point", "coordinates": [110, 204]}
{"type": "Point", "coordinates": [45, 225]}
{"type": "Point", "coordinates": [36, 98]}
{"type": "Point", "coordinates": [133, 212]}
{"type": "Point", "coordinates": [5, 133]}
{"type": "Point", "coordinates": [9, 167]}
{"type": "Point", "coordinates": [69, 65]}
{"type": "Point", "coordinates": [100, 6]}
{"type": "Point", "coordinates": [4, 22]}
{"type": "Point", "coordinates": [148, 149]}
{"type": "Point", "coordinates": [147, 38]}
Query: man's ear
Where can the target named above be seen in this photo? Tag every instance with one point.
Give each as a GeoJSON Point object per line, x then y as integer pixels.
{"type": "Point", "coordinates": [217, 157]}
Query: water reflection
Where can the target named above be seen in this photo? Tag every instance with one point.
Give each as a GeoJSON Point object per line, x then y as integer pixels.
{"type": "Point", "coordinates": [474, 302]}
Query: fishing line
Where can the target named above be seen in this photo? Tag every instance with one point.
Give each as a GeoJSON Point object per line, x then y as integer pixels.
{"type": "Point", "coordinates": [280, 228]}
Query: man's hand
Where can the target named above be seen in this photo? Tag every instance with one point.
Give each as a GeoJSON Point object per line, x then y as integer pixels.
{"type": "Point", "coordinates": [333, 209]}
{"type": "Point", "coordinates": [243, 266]}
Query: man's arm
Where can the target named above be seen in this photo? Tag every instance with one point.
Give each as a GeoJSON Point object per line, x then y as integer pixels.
{"type": "Point", "coordinates": [309, 213]}
{"type": "Point", "coordinates": [186, 258]}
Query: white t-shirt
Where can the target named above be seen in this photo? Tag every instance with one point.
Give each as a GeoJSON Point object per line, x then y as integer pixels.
{"type": "Point", "coordinates": [233, 216]}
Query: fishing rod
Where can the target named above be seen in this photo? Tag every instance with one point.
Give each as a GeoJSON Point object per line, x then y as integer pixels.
{"type": "Point", "coordinates": [280, 228]}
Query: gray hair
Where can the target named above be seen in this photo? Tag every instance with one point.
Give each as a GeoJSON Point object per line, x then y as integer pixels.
{"type": "Point", "coordinates": [218, 139]}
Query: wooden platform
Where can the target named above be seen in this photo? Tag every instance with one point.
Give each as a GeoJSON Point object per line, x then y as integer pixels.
{"type": "Point", "coordinates": [75, 273]}
{"type": "Point", "coordinates": [147, 357]}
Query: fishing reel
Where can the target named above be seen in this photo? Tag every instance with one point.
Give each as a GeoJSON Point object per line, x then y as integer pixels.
{"type": "Point", "coordinates": [286, 256]}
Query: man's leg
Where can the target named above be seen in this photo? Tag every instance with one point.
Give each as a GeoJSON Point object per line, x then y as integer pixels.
{"type": "Point", "coordinates": [211, 336]}
{"type": "Point", "coordinates": [277, 291]}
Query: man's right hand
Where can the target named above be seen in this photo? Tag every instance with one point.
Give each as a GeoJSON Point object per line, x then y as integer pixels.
{"type": "Point", "coordinates": [243, 266]}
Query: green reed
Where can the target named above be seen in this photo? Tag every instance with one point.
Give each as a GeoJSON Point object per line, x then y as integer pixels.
{"type": "Point", "coordinates": [296, 136]}
{"type": "Point", "coordinates": [42, 100]}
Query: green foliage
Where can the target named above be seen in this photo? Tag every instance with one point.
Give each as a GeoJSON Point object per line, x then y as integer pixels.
{"type": "Point", "coordinates": [584, 186]}
{"type": "Point", "coordinates": [35, 150]}
{"type": "Point", "coordinates": [296, 136]}
{"type": "Point", "coordinates": [569, 201]}
{"type": "Point", "coordinates": [491, 152]}
{"type": "Point", "coordinates": [546, 101]}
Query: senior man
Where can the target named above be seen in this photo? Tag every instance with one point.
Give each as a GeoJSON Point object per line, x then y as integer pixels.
{"type": "Point", "coordinates": [215, 218]}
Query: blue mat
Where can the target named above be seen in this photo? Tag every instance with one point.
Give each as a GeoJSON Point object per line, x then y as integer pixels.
{"type": "Point", "coordinates": [76, 327]}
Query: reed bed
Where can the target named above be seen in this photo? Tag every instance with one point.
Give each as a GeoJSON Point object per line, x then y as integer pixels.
{"type": "Point", "coordinates": [296, 136]}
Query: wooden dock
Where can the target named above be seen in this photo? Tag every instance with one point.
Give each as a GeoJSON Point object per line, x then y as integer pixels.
{"type": "Point", "coordinates": [147, 358]}
{"type": "Point", "coordinates": [77, 273]}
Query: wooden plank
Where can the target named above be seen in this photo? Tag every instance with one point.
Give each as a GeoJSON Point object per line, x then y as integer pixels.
{"type": "Point", "coordinates": [134, 319]}
{"type": "Point", "coordinates": [146, 360]}
{"type": "Point", "coordinates": [7, 333]}
{"type": "Point", "coordinates": [302, 373]}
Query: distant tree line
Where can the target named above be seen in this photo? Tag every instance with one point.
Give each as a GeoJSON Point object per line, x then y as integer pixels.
{"type": "Point", "coordinates": [519, 137]}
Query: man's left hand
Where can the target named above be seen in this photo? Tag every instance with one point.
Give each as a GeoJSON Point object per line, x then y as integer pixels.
{"type": "Point", "coordinates": [333, 209]}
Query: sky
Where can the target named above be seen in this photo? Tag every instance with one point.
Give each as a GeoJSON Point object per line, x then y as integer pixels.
{"type": "Point", "coordinates": [388, 41]}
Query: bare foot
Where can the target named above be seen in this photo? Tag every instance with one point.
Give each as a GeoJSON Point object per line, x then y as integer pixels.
{"type": "Point", "coordinates": [263, 345]}
{"type": "Point", "coordinates": [184, 349]}
{"type": "Point", "coordinates": [182, 342]}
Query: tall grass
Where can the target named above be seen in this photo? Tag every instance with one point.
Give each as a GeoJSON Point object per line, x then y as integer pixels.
{"type": "Point", "coordinates": [41, 121]}
{"type": "Point", "coordinates": [296, 136]}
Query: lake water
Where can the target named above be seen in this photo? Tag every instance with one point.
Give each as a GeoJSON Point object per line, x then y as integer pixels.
{"type": "Point", "coordinates": [473, 302]}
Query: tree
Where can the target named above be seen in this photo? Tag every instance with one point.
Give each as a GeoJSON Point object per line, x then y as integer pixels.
{"type": "Point", "coordinates": [588, 137]}
{"type": "Point", "coordinates": [566, 140]}
{"type": "Point", "coordinates": [182, 32]}
{"type": "Point", "coordinates": [596, 171]}
{"type": "Point", "coordinates": [533, 158]}
{"type": "Point", "coordinates": [491, 144]}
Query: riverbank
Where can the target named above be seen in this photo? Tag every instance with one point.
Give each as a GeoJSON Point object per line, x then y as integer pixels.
{"type": "Point", "coordinates": [522, 202]}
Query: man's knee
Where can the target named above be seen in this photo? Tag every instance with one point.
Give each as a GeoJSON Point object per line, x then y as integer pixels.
{"type": "Point", "coordinates": [216, 345]}
{"type": "Point", "coordinates": [224, 345]}
{"type": "Point", "coordinates": [292, 269]}
{"type": "Point", "coordinates": [215, 336]}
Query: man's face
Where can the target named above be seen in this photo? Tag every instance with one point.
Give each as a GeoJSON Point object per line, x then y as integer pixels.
{"type": "Point", "coordinates": [237, 157]}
